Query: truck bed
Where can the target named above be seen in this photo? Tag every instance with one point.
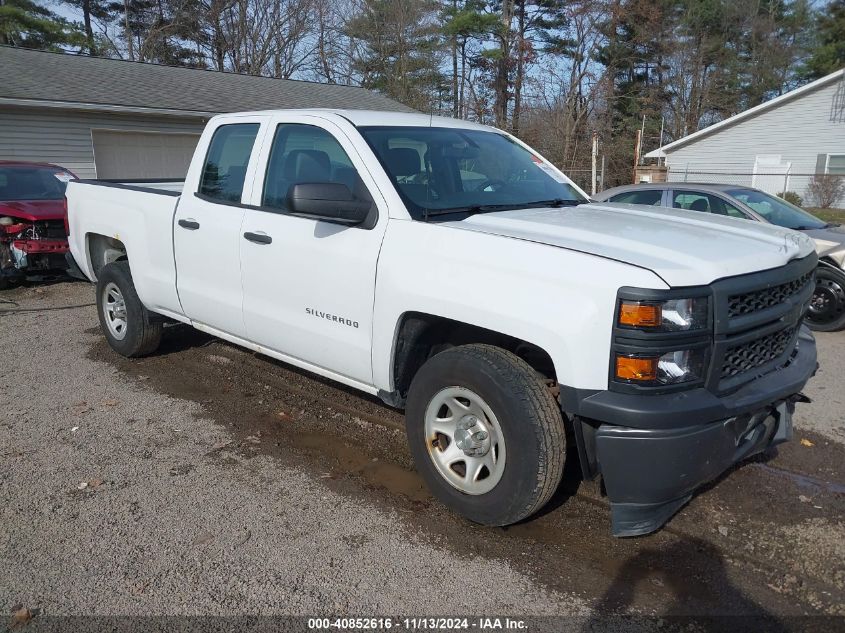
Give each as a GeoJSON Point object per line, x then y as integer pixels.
{"type": "Point", "coordinates": [131, 215]}
{"type": "Point", "coordinates": [168, 187]}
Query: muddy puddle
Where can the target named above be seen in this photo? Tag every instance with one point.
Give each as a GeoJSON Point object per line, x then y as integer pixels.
{"type": "Point", "coordinates": [356, 445]}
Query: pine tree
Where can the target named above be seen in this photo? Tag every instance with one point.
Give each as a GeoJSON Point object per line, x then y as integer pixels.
{"type": "Point", "coordinates": [399, 50]}
{"type": "Point", "coordinates": [829, 54]}
{"type": "Point", "coordinates": [26, 24]}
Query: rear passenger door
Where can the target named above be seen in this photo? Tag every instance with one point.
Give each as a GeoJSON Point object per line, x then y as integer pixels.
{"type": "Point", "coordinates": [706, 202]}
{"type": "Point", "coordinates": [650, 197]}
{"type": "Point", "coordinates": [308, 284]}
{"type": "Point", "coordinates": [207, 229]}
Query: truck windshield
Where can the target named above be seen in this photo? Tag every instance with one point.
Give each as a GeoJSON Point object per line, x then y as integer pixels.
{"type": "Point", "coordinates": [32, 182]}
{"type": "Point", "coordinates": [777, 210]}
{"type": "Point", "coordinates": [451, 171]}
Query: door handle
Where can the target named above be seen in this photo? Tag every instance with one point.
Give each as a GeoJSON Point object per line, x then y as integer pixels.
{"type": "Point", "coordinates": [258, 238]}
{"type": "Point", "coordinates": [191, 225]}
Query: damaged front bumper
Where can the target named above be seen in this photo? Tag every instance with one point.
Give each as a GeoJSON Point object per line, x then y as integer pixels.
{"type": "Point", "coordinates": [654, 451]}
{"type": "Point", "coordinates": [25, 256]}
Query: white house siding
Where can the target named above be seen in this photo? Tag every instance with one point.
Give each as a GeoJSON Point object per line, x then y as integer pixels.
{"type": "Point", "coordinates": [64, 137]}
{"type": "Point", "coordinates": [797, 130]}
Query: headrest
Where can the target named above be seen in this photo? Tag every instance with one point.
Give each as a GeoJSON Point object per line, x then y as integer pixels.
{"type": "Point", "coordinates": [307, 165]}
{"type": "Point", "coordinates": [403, 161]}
{"type": "Point", "coordinates": [700, 204]}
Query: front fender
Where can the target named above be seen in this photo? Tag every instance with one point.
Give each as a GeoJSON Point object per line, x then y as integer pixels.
{"type": "Point", "coordinates": [562, 301]}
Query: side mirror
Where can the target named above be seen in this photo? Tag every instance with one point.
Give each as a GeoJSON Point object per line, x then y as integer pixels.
{"type": "Point", "coordinates": [328, 201]}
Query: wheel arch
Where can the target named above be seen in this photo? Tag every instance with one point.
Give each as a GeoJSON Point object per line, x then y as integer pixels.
{"type": "Point", "coordinates": [828, 262]}
{"type": "Point", "coordinates": [420, 335]}
{"type": "Point", "coordinates": [102, 250]}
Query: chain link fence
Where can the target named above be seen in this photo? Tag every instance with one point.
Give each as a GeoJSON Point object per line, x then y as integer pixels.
{"type": "Point", "coordinates": [806, 189]}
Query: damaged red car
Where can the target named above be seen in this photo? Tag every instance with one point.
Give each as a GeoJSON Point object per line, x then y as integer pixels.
{"type": "Point", "coordinates": [33, 234]}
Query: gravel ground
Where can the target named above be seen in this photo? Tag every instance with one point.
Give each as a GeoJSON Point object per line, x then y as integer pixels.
{"type": "Point", "coordinates": [208, 480]}
{"type": "Point", "coordinates": [115, 500]}
{"type": "Point", "coordinates": [826, 414]}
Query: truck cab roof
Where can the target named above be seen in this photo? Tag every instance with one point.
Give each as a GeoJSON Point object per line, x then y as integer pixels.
{"type": "Point", "coordinates": [366, 118]}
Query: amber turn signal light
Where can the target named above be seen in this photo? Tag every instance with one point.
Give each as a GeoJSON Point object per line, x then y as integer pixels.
{"type": "Point", "coordinates": [636, 314]}
{"type": "Point", "coordinates": [640, 369]}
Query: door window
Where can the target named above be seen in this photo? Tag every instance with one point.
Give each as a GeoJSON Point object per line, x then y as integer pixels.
{"type": "Point", "coordinates": [224, 172]}
{"type": "Point", "coordinates": [700, 201]}
{"type": "Point", "coordinates": [307, 154]}
{"type": "Point", "coordinates": [646, 196]}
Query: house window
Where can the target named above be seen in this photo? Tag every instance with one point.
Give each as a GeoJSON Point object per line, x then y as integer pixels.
{"type": "Point", "coordinates": [836, 164]}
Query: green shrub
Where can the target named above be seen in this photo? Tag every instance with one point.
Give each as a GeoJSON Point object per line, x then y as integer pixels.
{"type": "Point", "coordinates": [792, 198]}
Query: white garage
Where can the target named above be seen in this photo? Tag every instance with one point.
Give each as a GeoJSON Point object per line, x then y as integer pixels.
{"type": "Point", "coordinates": [119, 154]}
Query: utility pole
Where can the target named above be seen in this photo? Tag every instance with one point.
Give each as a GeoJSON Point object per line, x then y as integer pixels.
{"type": "Point", "coordinates": [637, 154]}
{"type": "Point", "coordinates": [601, 179]}
{"type": "Point", "coordinates": [640, 143]}
{"type": "Point", "coordinates": [662, 126]}
{"type": "Point", "coordinates": [595, 153]}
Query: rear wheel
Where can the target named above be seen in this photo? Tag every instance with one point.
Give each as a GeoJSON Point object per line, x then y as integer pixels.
{"type": "Point", "coordinates": [129, 327]}
{"type": "Point", "coordinates": [485, 433]}
{"type": "Point", "coordinates": [827, 307]}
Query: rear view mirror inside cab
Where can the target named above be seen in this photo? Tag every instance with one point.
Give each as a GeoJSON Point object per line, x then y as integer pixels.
{"type": "Point", "coordinates": [459, 151]}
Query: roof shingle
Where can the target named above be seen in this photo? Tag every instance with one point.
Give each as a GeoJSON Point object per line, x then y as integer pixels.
{"type": "Point", "coordinates": [77, 79]}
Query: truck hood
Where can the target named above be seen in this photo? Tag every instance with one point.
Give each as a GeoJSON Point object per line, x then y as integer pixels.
{"type": "Point", "coordinates": [33, 210]}
{"type": "Point", "coordinates": [684, 248]}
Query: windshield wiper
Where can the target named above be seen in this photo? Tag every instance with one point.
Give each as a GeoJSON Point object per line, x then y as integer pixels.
{"type": "Point", "coordinates": [471, 209]}
{"type": "Point", "coordinates": [490, 208]}
{"type": "Point", "coordinates": [556, 203]}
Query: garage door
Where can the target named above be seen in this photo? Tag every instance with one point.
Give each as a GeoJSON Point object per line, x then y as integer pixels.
{"type": "Point", "coordinates": [131, 155]}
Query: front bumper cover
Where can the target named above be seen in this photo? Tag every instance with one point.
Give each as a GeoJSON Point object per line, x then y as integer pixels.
{"type": "Point", "coordinates": [653, 451]}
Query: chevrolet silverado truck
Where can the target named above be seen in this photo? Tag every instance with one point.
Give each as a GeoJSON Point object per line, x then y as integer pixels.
{"type": "Point", "coordinates": [452, 271]}
{"type": "Point", "coordinates": [33, 237]}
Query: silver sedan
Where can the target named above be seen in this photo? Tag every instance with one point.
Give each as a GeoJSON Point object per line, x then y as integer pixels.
{"type": "Point", "coordinates": [827, 308]}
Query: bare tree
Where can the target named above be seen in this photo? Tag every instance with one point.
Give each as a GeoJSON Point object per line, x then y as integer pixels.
{"type": "Point", "coordinates": [267, 37]}
{"type": "Point", "coordinates": [826, 190]}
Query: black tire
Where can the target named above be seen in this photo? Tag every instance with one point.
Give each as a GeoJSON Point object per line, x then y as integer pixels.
{"type": "Point", "coordinates": [5, 284]}
{"type": "Point", "coordinates": [531, 424]}
{"type": "Point", "coordinates": [143, 328]}
{"type": "Point", "coordinates": [827, 307]}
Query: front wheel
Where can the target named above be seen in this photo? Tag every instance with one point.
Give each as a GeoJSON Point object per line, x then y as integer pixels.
{"type": "Point", "coordinates": [130, 329]}
{"type": "Point", "coordinates": [827, 307]}
{"type": "Point", "coordinates": [486, 434]}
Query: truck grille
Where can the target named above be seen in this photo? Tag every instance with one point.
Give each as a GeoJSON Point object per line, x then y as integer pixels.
{"type": "Point", "coordinates": [761, 316]}
{"type": "Point", "coordinates": [750, 302]}
{"type": "Point", "coordinates": [748, 356]}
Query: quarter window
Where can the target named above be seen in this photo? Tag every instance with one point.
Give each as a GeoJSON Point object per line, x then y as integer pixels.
{"type": "Point", "coordinates": [646, 196]}
{"type": "Point", "coordinates": [708, 203]}
{"type": "Point", "coordinates": [307, 154]}
{"type": "Point", "coordinates": [224, 172]}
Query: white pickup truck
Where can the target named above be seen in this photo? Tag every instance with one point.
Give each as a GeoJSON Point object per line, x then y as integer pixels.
{"type": "Point", "coordinates": [451, 270]}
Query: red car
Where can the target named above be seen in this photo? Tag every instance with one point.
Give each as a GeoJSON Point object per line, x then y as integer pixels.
{"type": "Point", "coordinates": [33, 234]}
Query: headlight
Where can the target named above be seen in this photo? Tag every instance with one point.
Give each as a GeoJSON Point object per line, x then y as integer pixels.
{"type": "Point", "coordinates": [665, 369]}
{"type": "Point", "coordinates": [673, 315]}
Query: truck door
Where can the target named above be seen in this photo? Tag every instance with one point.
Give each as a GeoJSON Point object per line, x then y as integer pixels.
{"type": "Point", "coordinates": [309, 284]}
{"type": "Point", "coordinates": [207, 230]}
